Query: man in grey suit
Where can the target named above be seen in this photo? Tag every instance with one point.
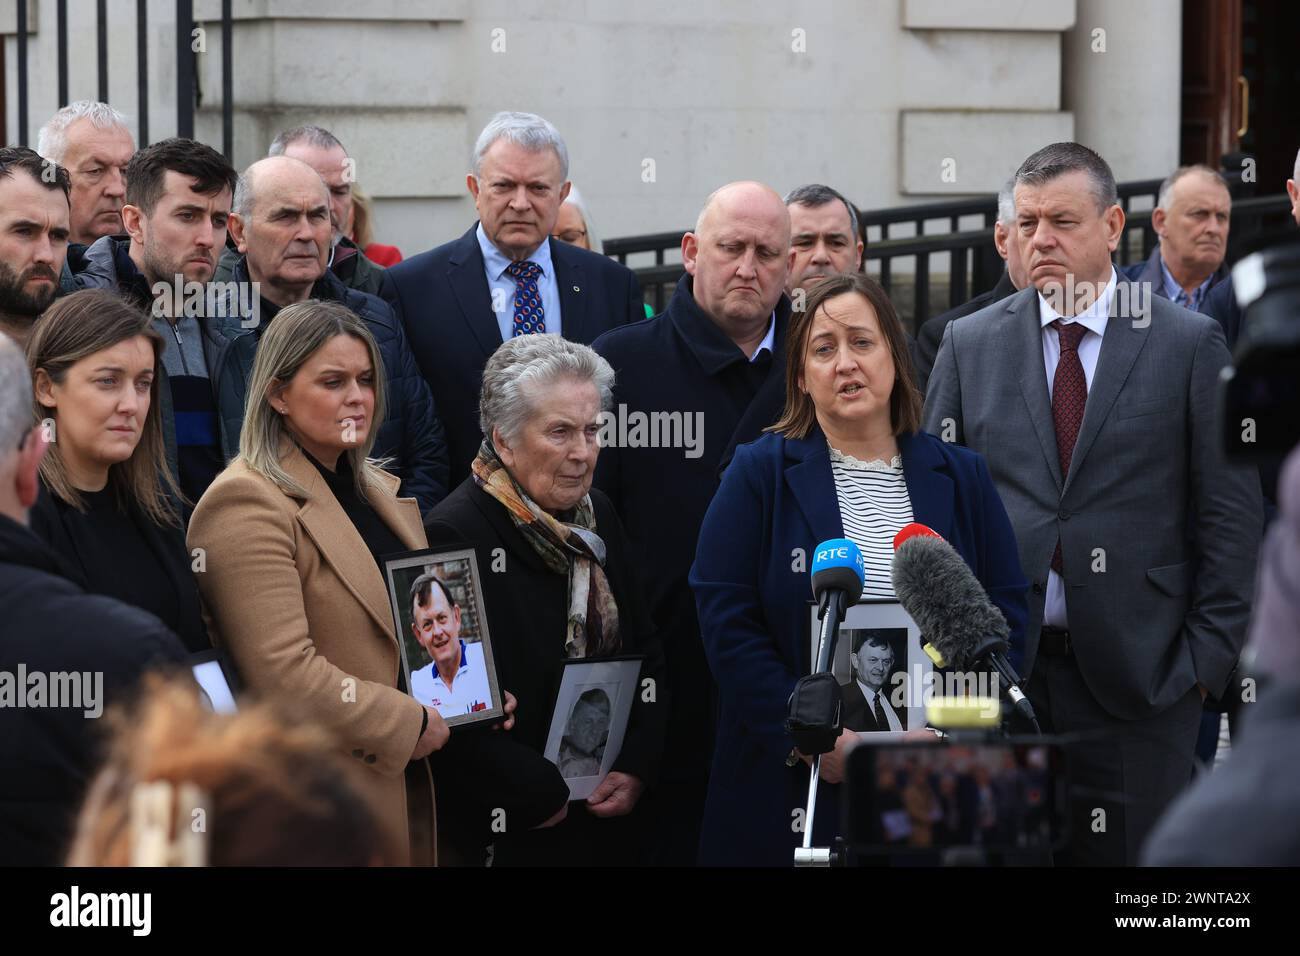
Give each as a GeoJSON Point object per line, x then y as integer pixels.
{"type": "Point", "coordinates": [1094, 404]}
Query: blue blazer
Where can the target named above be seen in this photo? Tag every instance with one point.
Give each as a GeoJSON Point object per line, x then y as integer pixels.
{"type": "Point", "coordinates": [777, 500]}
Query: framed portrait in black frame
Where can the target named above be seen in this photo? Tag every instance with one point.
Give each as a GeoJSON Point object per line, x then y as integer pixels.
{"type": "Point", "coordinates": [442, 630]}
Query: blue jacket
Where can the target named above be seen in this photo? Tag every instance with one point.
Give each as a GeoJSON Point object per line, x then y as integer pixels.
{"type": "Point", "coordinates": [778, 498]}
{"type": "Point", "coordinates": [411, 433]}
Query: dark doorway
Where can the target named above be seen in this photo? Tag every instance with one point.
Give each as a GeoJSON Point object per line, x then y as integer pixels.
{"type": "Point", "coordinates": [1240, 85]}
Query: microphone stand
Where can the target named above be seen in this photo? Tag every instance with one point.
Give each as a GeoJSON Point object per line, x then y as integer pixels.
{"type": "Point", "coordinates": [830, 612]}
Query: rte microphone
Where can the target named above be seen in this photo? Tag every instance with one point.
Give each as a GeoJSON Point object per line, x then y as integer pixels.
{"type": "Point", "coordinates": [838, 574]}
{"type": "Point", "coordinates": [937, 588]}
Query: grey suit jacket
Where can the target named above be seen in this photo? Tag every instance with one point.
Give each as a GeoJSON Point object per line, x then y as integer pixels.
{"type": "Point", "coordinates": [1159, 535]}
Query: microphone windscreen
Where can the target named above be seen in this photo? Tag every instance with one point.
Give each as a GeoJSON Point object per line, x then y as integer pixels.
{"type": "Point", "coordinates": [938, 589]}
{"type": "Point", "coordinates": [909, 531]}
{"type": "Point", "coordinates": [838, 566]}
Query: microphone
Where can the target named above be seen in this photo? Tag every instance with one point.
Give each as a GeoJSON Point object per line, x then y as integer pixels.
{"type": "Point", "coordinates": [838, 574]}
{"type": "Point", "coordinates": [961, 625]}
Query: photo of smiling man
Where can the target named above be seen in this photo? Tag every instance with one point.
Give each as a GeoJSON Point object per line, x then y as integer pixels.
{"type": "Point", "coordinates": [455, 682]}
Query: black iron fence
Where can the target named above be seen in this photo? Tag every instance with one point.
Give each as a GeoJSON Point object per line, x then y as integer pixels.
{"type": "Point", "coordinates": [946, 255]}
{"type": "Point", "coordinates": [188, 95]}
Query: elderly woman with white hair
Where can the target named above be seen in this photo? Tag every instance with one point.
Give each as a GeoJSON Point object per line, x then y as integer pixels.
{"type": "Point", "coordinates": [558, 583]}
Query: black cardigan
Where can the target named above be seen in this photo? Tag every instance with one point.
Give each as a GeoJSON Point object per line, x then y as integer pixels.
{"type": "Point", "coordinates": [527, 612]}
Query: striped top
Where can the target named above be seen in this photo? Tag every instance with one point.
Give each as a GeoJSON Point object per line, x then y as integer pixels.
{"type": "Point", "coordinates": [874, 505]}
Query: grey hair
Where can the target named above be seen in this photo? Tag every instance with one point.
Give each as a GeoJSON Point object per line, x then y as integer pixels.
{"type": "Point", "coordinates": [815, 195]}
{"type": "Point", "coordinates": [575, 200]}
{"type": "Point", "coordinates": [1007, 202]}
{"type": "Point", "coordinates": [242, 204]}
{"type": "Point", "coordinates": [15, 395]}
{"type": "Point", "coordinates": [526, 363]}
{"type": "Point", "coordinates": [526, 130]}
{"type": "Point", "coordinates": [1060, 158]}
{"type": "Point", "coordinates": [52, 141]}
{"type": "Point", "coordinates": [1165, 196]}
{"type": "Point", "coordinates": [316, 136]}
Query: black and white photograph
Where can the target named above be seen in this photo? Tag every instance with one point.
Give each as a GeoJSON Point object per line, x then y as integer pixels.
{"type": "Point", "coordinates": [589, 720]}
{"type": "Point", "coordinates": [446, 649]}
{"type": "Point", "coordinates": [880, 667]}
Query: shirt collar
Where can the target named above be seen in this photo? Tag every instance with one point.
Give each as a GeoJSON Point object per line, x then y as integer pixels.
{"type": "Point", "coordinates": [769, 340]}
{"type": "Point", "coordinates": [496, 261]}
{"type": "Point", "coordinates": [1173, 290]}
{"type": "Point", "coordinates": [1094, 319]}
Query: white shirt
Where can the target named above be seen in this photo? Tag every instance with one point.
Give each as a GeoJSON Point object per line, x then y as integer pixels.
{"type": "Point", "coordinates": [469, 691]}
{"type": "Point", "coordinates": [769, 340]}
{"type": "Point", "coordinates": [1094, 320]}
{"type": "Point", "coordinates": [890, 716]}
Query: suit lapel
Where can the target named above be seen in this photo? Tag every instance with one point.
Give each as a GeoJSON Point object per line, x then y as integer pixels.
{"type": "Point", "coordinates": [571, 283]}
{"type": "Point", "coordinates": [1033, 379]}
{"type": "Point", "coordinates": [340, 544]}
{"type": "Point", "coordinates": [928, 488]}
{"type": "Point", "coordinates": [1124, 338]}
{"type": "Point", "coordinates": [809, 479]}
{"type": "Point", "coordinates": [469, 283]}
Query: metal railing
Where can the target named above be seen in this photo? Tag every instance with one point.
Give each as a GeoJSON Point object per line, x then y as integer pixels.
{"type": "Point", "coordinates": [187, 91]}
{"type": "Point", "coordinates": [972, 264]}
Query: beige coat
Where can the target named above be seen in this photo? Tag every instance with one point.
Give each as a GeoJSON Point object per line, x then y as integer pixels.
{"type": "Point", "coordinates": [292, 591]}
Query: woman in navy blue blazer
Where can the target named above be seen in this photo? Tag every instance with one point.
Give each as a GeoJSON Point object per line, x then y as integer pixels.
{"type": "Point", "coordinates": [846, 459]}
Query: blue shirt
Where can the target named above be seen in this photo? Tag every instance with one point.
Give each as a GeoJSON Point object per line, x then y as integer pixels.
{"type": "Point", "coordinates": [501, 287]}
{"type": "Point", "coordinates": [1176, 294]}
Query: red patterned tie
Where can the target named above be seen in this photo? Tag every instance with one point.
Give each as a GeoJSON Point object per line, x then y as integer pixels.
{"type": "Point", "coordinates": [1069, 394]}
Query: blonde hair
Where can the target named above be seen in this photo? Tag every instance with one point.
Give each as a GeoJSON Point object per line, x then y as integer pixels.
{"type": "Point", "coordinates": [363, 234]}
{"type": "Point", "coordinates": [294, 336]}
{"type": "Point", "coordinates": [255, 788]}
{"type": "Point", "coordinates": [74, 328]}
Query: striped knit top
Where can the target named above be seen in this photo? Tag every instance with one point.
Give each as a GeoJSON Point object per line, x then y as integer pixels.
{"type": "Point", "coordinates": [874, 505]}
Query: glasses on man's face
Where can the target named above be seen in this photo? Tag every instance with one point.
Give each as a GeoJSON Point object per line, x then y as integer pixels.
{"type": "Point", "coordinates": [571, 235]}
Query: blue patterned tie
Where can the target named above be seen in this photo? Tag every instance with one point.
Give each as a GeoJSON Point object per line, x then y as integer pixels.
{"type": "Point", "coordinates": [530, 317]}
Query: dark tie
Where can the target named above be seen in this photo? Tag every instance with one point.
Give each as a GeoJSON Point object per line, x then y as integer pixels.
{"type": "Point", "coordinates": [882, 722]}
{"type": "Point", "coordinates": [1069, 393]}
{"type": "Point", "coordinates": [530, 317]}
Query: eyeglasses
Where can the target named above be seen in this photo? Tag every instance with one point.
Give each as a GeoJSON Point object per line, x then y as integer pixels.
{"type": "Point", "coordinates": [571, 236]}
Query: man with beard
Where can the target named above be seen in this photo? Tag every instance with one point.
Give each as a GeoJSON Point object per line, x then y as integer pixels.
{"type": "Point", "coordinates": [90, 140]}
{"type": "Point", "coordinates": [177, 204]}
{"type": "Point", "coordinates": [34, 216]}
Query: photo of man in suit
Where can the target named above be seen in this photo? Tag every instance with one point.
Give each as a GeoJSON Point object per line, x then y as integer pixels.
{"type": "Point", "coordinates": [867, 696]}
{"type": "Point", "coordinates": [1094, 405]}
{"type": "Point", "coordinates": [455, 682]}
{"type": "Point", "coordinates": [504, 277]}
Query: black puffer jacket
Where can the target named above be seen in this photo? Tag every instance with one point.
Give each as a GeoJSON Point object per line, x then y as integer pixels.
{"type": "Point", "coordinates": [410, 433]}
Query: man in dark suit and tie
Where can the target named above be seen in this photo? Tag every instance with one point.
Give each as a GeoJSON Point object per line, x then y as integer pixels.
{"type": "Point", "coordinates": [506, 276]}
{"type": "Point", "coordinates": [1094, 404]}
{"type": "Point", "coordinates": [866, 698]}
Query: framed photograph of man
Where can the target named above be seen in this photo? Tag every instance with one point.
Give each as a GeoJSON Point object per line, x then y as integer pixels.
{"type": "Point", "coordinates": [880, 667]}
{"type": "Point", "coordinates": [442, 628]}
{"type": "Point", "coordinates": [590, 718]}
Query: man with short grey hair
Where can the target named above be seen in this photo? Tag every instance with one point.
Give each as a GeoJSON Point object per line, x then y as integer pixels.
{"type": "Point", "coordinates": [506, 276]}
{"type": "Point", "coordinates": [823, 234]}
{"type": "Point", "coordinates": [89, 651]}
{"type": "Point", "coordinates": [92, 142]}
{"type": "Point", "coordinates": [1192, 217]}
{"type": "Point", "coordinates": [1094, 406]}
{"type": "Point", "coordinates": [321, 150]}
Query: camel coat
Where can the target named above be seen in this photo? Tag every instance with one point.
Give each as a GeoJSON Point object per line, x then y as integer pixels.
{"type": "Point", "coordinates": [292, 591]}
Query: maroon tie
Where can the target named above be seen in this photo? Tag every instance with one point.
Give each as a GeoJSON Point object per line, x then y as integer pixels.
{"type": "Point", "coordinates": [1069, 393]}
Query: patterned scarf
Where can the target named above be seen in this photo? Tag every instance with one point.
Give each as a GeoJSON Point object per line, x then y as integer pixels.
{"type": "Point", "coordinates": [570, 548]}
